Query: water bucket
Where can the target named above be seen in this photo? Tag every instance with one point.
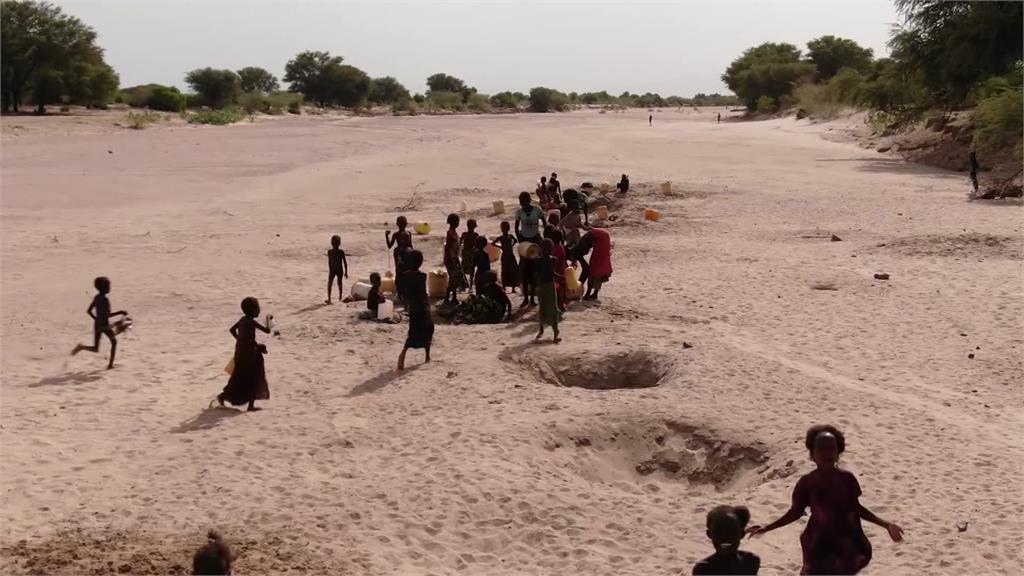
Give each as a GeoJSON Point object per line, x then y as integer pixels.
{"type": "Point", "coordinates": [421, 228]}
{"type": "Point", "coordinates": [651, 214]}
{"type": "Point", "coordinates": [601, 213]}
{"type": "Point", "coordinates": [499, 207]}
{"type": "Point", "coordinates": [230, 367]}
{"type": "Point", "coordinates": [361, 290]}
{"type": "Point", "coordinates": [437, 283]}
{"type": "Point", "coordinates": [528, 250]}
{"type": "Point", "coordinates": [387, 284]}
{"type": "Point", "coordinates": [462, 208]}
{"type": "Point", "coordinates": [493, 252]}
{"type": "Point", "coordinates": [605, 187]}
{"type": "Point", "coordinates": [666, 187]}
{"type": "Point", "coordinates": [385, 310]}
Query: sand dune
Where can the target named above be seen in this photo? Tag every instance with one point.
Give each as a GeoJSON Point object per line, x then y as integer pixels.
{"type": "Point", "coordinates": [501, 456]}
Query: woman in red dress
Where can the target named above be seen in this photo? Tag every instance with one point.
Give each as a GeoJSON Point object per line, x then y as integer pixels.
{"type": "Point", "coordinates": [833, 541]}
{"type": "Point", "coordinates": [600, 267]}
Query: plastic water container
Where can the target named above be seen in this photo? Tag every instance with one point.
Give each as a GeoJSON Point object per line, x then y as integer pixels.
{"type": "Point", "coordinates": [387, 284]}
{"type": "Point", "coordinates": [601, 213]}
{"type": "Point", "coordinates": [230, 367]}
{"type": "Point", "coordinates": [666, 187]}
{"type": "Point", "coordinates": [572, 281]}
{"type": "Point", "coordinates": [462, 208]}
{"type": "Point", "coordinates": [493, 252]}
{"type": "Point", "coordinates": [421, 228]}
{"type": "Point", "coordinates": [361, 290]}
{"type": "Point", "coordinates": [437, 283]}
{"type": "Point", "coordinates": [528, 250]}
{"type": "Point", "coordinates": [651, 214]}
{"type": "Point", "coordinates": [605, 187]}
{"type": "Point", "coordinates": [385, 310]}
{"type": "Point", "coordinates": [499, 207]}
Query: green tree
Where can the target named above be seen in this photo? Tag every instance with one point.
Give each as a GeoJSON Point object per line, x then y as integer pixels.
{"type": "Point", "coordinates": [545, 99]}
{"type": "Point", "coordinates": [256, 79]}
{"type": "Point", "coordinates": [347, 86]}
{"type": "Point", "coordinates": [441, 82]}
{"type": "Point", "coordinates": [165, 98]}
{"type": "Point", "coordinates": [218, 88]}
{"type": "Point", "coordinates": [308, 72]}
{"type": "Point", "coordinates": [830, 53]}
{"type": "Point", "coordinates": [51, 56]}
{"type": "Point", "coordinates": [769, 69]}
{"type": "Point", "coordinates": [387, 90]}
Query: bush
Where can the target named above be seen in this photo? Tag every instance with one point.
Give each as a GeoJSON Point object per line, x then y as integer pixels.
{"type": "Point", "coordinates": [545, 99]}
{"type": "Point", "coordinates": [405, 106]}
{"type": "Point", "coordinates": [274, 104]}
{"type": "Point", "coordinates": [195, 101]}
{"type": "Point", "coordinates": [845, 86]}
{"type": "Point", "coordinates": [219, 88]}
{"type": "Point", "coordinates": [166, 98]}
{"type": "Point", "coordinates": [295, 106]}
{"type": "Point", "coordinates": [765, 104]}
{"type": "Point", "coordinates": [997, 123]}
{"type": "Point", "coordinates": [478, 103]}
{"type": "Point", "coordinates": [814, 100]}
{"type": "Point", "coordinates": [220, 117]}
{"type": "Point", "coordinates": [139, 120]}
{"type": "Point", "coordinates": [444, 100]}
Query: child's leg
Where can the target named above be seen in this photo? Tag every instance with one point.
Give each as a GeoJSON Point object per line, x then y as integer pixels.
{"type": "Point", "coordinates": [330, 284]}
{"type": "Point", "coordinates": [95, 344]}
{"type": "Point", "coordinates": [541, 332]}
{"type": "Point", "coordinates": [113, 346]}
{"type": "Point", "coordinates": [401, 359]}
{"type": "Point", "coordinates": [252, 406]}
{"type": "Point", "coordinates": [341, 293]}
{"type": "Point", "coordinates": [428, 354]}
{"type": "Point", "coordinates": [554, 328]}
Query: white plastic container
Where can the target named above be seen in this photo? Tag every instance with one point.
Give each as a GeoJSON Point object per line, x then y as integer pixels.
{"type": "Point", "coordinates": [361, 290]}
{"type": "Point", "coordinates": [385, 310]}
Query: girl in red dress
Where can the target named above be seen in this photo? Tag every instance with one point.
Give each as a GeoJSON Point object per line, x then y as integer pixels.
{"type": "Point", "coordinates": [600, 262]}
{"type": "Point", "coordinates": [833, 541]}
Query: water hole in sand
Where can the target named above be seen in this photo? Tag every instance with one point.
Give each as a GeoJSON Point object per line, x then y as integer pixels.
{"type": "Point", "coordinates": [624, 370]}
{"type": "Point", "coordinates": [667, 450]}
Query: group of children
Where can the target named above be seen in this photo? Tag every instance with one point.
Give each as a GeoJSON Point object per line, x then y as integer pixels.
{"type": "Point", "coordinates": [833, 542]}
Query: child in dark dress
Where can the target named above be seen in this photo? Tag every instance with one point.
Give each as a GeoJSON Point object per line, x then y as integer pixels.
{"type": "Point", "coordinates": [497, 293]}
{"type": "Point", "coordinates": [481, 265]}
{"type": "Point", "coordinates": [725, 529]}
{"type": "Point", "coordinates": [456, 278]}
{"type": "Point", "coordinates": [548, 312]}
{"type": "Point", "coordinates": [469, 249]}
{"type": "Point", "coordinates": [421, 326]}
{"type": "Point", "coordinates": [833, 541]}
{"type": "Point", "coordinates": [248, 382]}
{"type": "Point", "coordinates": [402, 243]}
{"type": "Point", "coordinates": [99, 311]}
{"type": "Point", "coordinates": [214, 558]}
{"type": "Point", "coordinates": [509, 266]}
{"type": "Point", "coordinates": [337, 266]}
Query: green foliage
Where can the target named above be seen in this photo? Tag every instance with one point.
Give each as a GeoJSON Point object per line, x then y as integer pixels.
{"type": "Point", "coordinates": [830, 54]}
{"type": "Point", "coordinates": [898, 95]}
{"type": "Point", "coordinates": [478, 103]}
{"type": "Point", "coordinates": [845, 86]}
{"type": "Point", "coordinates": [997, 123]}
{"type": "Point", "coordinates": [545, 100]}
{"type": "Point", "coordinates": [295, 106]}
{"type": "Point", "coordinates": [444, 83]}
{"type": "Point", "coordinates": [51, 57]}
{"type": "Point", "coordinates": [649, 100]}
{"type": "Point", "coordinates": [218, 88]}
{"type": "Point", "coordinates": [256, 79]}
{"type": "Point", "coordinates": [136, 96]}
{"type": "Point", "coordinates": [601, 97]}
{"type": "Point", "coordinates": [165, 98]}
{"type": "Point", "coordinates": [348, 86]}
{"type": "Point", "coordinates": [814, 100]}
{"type": "Point", "coordinates": [769, 69]}
{"type": "Point", "coordinates": [274, 104]}
{"type": "Point", "coordinates": [405, 106]}
{"type": "Point", "coordinates": [218, 117]}
{"type": "Point", "coordinates": [444, 100]}
{"type": "Point", "coordinates": [139, 120]}
{"type": "Point", "coordinates": [504, 100]}
{"type": "Point", "coordinates": [323, 79]}
{"type": "Point", "coordinates": [765, 103]}
{"type": "Point", "coordinates": [387, 90]}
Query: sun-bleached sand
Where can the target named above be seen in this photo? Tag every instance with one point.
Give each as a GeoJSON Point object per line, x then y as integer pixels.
{"type": "Point", "coordinates": [483, 462]}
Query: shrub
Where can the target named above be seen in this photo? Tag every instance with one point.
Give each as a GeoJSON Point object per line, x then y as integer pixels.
{"type": "Point", "coordinates": [765, 104]}
{"type": "Point", "coordinates": [136, 96]}
{"type": "Point", "coordinates": [545, 99]}
{"type": "Point", "coordinates": [256, 79]}
{"type": "Point", "coordinates": [166, 98]}
{"type": "Point", "coordinates": [997, 123]}
{"type": "Point", "coordinates": [444, 100]}
{"type": "Point", "coordinates": [195, 101]}
{"type": "Point", "coordinates": [295, 107]}
{"type": "Point", "coordinates": [219, 88]}
{"type": "Point", "coordinates": [219, 117]}
{"type": "Point", "coordinates": [387, 90]}
{"type": "Point", "coordinates": [405, 106]}
{"type": "Point", "coordinates": [139, 120]}
{"type": "Point", "coordinates": [845, 86]}
{"type": "Point", "coordinates": [479, 103]}
{"type": "Point", "coordinates": [814, 99]}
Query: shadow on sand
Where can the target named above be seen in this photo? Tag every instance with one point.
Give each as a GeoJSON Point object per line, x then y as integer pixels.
{"type": "Point", "coordinates": [207, 419]}
{"type": "Point", "coordinates": [897, 166]}
{"type": "Point", "coordinates": [381, 380]}
{"type": "Point", "coordinates": [76, 377]}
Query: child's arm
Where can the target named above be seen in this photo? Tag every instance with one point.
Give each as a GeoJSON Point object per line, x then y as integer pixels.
{"type": "Point", "coordinates": [119, 313]}
{"type": "Point", "coordinates": [262, 328]}
{"type": "Point", "coordinates": [788, 518]}
{"type": "Point", "coordinates": [344, 265]}
{"type": "Point", "coordinates": [234, 330]}
{"type": "Point", "coordinates": [389, 238]}
{"type": "Point", "coordinates": [92, 306]}
{"type": "Point", "coordinates": [895, 532]}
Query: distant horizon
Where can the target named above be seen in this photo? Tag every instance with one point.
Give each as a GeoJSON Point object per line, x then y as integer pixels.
{"type": "Point", "coordinates": [668, 49]}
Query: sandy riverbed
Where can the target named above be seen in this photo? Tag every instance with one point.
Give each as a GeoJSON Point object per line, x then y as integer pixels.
{"type": "Point", "coordinates": [479, 462]}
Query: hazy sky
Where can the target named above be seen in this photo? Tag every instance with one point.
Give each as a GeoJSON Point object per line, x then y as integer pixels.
{"type": "Point", "coordinates": [667, 47]}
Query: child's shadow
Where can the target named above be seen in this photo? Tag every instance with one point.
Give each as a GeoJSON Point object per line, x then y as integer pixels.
{"type": "Point", "coordinates": [311, 308]}
{"type": "Point", "coordinates": [77, 377]}
{"type": "Point", "coordinates": [380, 381]}
{"type": "Point", "coordinates": [206, 420]}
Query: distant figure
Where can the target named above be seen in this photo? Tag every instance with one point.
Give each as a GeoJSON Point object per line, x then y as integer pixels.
{"type": "Point", "coordinates": [549, 314]}
{"type": "Point", "coordinates": [650, 120]}
{"type": "Point", "coordinates": [554, 188]}
{"type": "Point", "coordinates": [373, 299]}
{"type": "Point", "coordinates": [468, 241]}
{"type": "Point", "coordinates": [337, 266]}
{"type": "Point", "coordinates": [542, 190]}
{"type": "Point", "coordinates": [833, 541]}
{"type": "Point", "coordinates": [725, 529]}
{"type": "Point", "coordinates": [248, 382]}
{"type": "Point", "coordinates": [719, 118]}
{"type": "Point", "coordinates": [509, 266]}
{"type": "Point", "coordinates": [973, 158]}
{"type": "Point", "coordinates": [481, 264]}
{"type": "Point", "coordinates": [214, 558]}
{"type": "Point", "coordinates": [623, 184]}
{"type": "Point", "coordinates": [421, 326]}
{"type": "Point", "coordinates": [99, 311]}
{"type": "Point", "coordinates": [402, 243]}
{"type": "Point", "coordinates": [528, 220]}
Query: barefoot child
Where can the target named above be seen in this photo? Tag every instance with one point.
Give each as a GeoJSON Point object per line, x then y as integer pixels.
{"type": "Point", "coordinates": [469, 249]}
{"type": "Point", "coordinates": [509, 266]}
{"type": "Point", "coordinates": [482, 264]}
{"type": "Point", "coordinates": [337, 266]}
{"type": "Point", "coordinates": [833, 541]}
{"type": "Point", "coordinates": [214, 558]}
{"type": "Point", "coordinates": [456, 279]}
{"type": "Point", "coordinates": [528, 221]}
{"type": "Point", "coordinates": [373, 299]}
{"type": "Point", "coordinates": [99, 311]}
{"type": "Point", "coordinates": [548, 314]}
{"type": "Point", "coordinates": [559, 254]}
{"type": "Point", "coordinates": [248, 382]}
{"type": "Point", "coordinates": [725, 529]}
{"type": "Point", "coordinates": [421, 326]}
{"type": "Point", "coordinates": [402, 243]}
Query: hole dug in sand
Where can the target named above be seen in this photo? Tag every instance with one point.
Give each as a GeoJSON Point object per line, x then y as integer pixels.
{"type": "Point", "coordinates": [669, 450]}
{"type": "Point", "coordinates": [600, 371]}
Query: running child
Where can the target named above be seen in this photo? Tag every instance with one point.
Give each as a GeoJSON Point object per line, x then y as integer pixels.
{"type": "Point", "coordinates": [99, 311]}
